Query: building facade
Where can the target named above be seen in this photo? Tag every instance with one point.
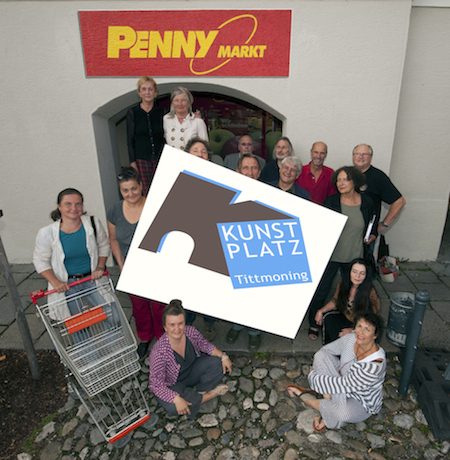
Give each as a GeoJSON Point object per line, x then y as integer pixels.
{"type": "Point", "coordinates": [373, 71]}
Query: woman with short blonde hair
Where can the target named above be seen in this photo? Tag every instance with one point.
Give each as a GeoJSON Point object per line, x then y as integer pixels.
{"type": "Point", "coordinates": [145, 132]}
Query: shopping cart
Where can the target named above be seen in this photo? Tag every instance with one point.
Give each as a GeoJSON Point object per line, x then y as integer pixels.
{"type": "Point", "coordinates": [118, 410]}
{"type": "Point", "coordinates": [91, 333]}
{"type": "Point", "coordinates": [98, 351]}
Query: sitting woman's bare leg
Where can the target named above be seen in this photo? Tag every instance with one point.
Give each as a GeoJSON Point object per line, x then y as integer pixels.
{"type": "Point", "coordinates": [314, 403]}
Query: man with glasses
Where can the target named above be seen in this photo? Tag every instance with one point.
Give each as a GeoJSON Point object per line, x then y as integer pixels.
{"type": "Point", "coordinates": [245, 146]}
{"type": "Point", "coordinates": [378, 186]}
{"type": "Point", "coordinates": [289, 172]}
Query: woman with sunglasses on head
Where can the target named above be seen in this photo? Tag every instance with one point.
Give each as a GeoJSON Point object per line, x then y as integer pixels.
{"type": "Point", "coordinates": [145, 132]}
{"type": "Point", "coordinates": [123, 218]}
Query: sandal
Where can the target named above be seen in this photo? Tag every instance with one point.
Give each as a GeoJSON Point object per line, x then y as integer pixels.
{"type": "Point", "coordinates": [301, 389]}
{"type": "Point", "coordinates": [313, 334]}
{"type": "Point", "coordinates": [320, 419]}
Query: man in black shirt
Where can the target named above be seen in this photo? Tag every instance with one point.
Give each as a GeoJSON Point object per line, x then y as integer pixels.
{"type": "Point", "coordinates": [378, 186]}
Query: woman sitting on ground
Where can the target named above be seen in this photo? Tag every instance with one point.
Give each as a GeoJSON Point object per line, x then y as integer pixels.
{"type": "Point", "coordinates": [349, 374]}
{"type": "Point", "coordinates": [181, 359]}
{"type": "Point", "coordinates": [355, 293]}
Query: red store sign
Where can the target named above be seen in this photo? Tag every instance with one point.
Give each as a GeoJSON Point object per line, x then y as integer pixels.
{"type": "Point", "coordinates": [185, 43]}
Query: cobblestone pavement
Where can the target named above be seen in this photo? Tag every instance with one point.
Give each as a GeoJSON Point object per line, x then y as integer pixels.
{"type": "Point", "coordinates": [256, 419]}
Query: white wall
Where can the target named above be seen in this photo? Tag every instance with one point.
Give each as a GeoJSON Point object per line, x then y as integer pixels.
{"type": "Point", "coordinates": [347, 61]}
{"type": "Point", "coordinates": [421, 161]}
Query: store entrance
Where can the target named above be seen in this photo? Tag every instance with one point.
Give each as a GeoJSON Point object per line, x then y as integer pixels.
{"type": "Point", "coordinates": [228, 113]}
{"type": "Point", "coordinates": [227, 118]}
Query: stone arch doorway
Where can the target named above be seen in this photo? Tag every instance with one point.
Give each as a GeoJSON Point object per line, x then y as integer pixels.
{"type": "Point", "coordinates": [221, 106]}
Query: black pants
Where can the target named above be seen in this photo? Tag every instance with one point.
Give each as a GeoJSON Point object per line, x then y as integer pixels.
{"type": "Point", "coordinates": [332, 324]}
{"type": "Point", "coordinates": [323, 289]}
{"type": "Point", "coordinates": [206, 373]}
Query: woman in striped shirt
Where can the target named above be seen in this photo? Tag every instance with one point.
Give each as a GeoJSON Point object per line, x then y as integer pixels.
{"type": "Point", "coordinates": [349, 373]}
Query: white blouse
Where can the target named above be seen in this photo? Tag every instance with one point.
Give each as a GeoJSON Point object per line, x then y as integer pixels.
{"type": "Point", "coordinates": [178, 134]}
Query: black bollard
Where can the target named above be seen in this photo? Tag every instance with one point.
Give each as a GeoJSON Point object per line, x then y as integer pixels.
{"type": "Point", "coordinates": [19, 313]}
{"type": "Point", "coordinates": [412, 340]}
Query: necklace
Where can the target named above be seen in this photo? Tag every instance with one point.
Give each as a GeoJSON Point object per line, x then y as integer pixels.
{"type": "Point", "coordinates": [354, 360]}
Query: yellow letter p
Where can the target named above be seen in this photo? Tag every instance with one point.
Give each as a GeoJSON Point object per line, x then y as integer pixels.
{"type": "Point", "coordinates": [120, 38]}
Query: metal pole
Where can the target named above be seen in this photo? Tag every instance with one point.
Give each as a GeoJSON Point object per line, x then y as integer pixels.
{"type": "Point", "coordinates": [19, 314]}
{"type": "Point", "coordinates": [412, 340]}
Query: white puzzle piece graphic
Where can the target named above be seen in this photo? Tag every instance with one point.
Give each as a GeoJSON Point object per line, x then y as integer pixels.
{"type": "Point", "coordinates": [229, 246]}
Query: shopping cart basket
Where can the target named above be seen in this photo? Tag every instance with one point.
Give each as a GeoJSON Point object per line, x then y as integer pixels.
{"type": "Point", "coordinates": [118, 410]}
{"type": "Point", "coordinates": [91, 333]}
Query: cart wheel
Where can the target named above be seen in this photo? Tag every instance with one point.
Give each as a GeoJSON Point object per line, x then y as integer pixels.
{"type": "Point", "coordinates": [71, 390]}
{"type": "Point", "coordinates": [74, 390]}
{"type": "Point", "coordinates": [122, 442]}
{"type": "Point", "coordinates": [150, 424]}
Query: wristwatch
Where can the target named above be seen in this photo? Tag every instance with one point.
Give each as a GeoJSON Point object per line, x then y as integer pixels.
{"type": "Point", "coordinates": [384, 224]}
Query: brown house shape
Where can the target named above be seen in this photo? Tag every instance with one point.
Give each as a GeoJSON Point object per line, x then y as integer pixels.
{"type": "Point", "coordinates": [195, 206]}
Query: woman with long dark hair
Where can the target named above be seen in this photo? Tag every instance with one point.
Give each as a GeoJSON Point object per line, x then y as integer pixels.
{"type": "Point", "coordinates": [355, 294]}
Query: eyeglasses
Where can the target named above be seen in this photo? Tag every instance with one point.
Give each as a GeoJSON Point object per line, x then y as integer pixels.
{"type": "Point", "coordinates": [357, 154]}
{"type": "Point", "coordinates": [289, 169]}
{"type": "Point", "coordinates": [126, 173]}
{"type": "Point", "coordinates": [243, 143]}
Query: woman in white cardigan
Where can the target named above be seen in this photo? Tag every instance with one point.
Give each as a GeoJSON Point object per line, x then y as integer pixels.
{"type": "Point", "coordinates": [349, 374]}
{"type": "Point", "coordinates": [73, 247]}
{"type": "Point", "coordinates": [181, 124]}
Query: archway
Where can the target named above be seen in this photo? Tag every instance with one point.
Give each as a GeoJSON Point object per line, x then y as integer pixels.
{"type": "Point", "coordinates": [110, 127]}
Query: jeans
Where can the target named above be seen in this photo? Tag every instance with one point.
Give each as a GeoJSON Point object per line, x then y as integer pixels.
{"type": "Point", "coordinates": [238, 327]}
{"type": "Point", "coordinates": [82, 297]}
{"type": "Point", "coordinates": [190, 318]}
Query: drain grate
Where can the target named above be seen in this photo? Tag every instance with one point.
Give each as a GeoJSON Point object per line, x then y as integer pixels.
{"type": "Point", "coordinates": [433, 389]}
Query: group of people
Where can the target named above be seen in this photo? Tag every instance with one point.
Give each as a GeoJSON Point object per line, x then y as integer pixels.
{"type": "Point", "coordinates": [347, 373]}
{"type": "Point", "coordinates": [149, 128]}
{"type": "Point", "coordinates": [355, 191]}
